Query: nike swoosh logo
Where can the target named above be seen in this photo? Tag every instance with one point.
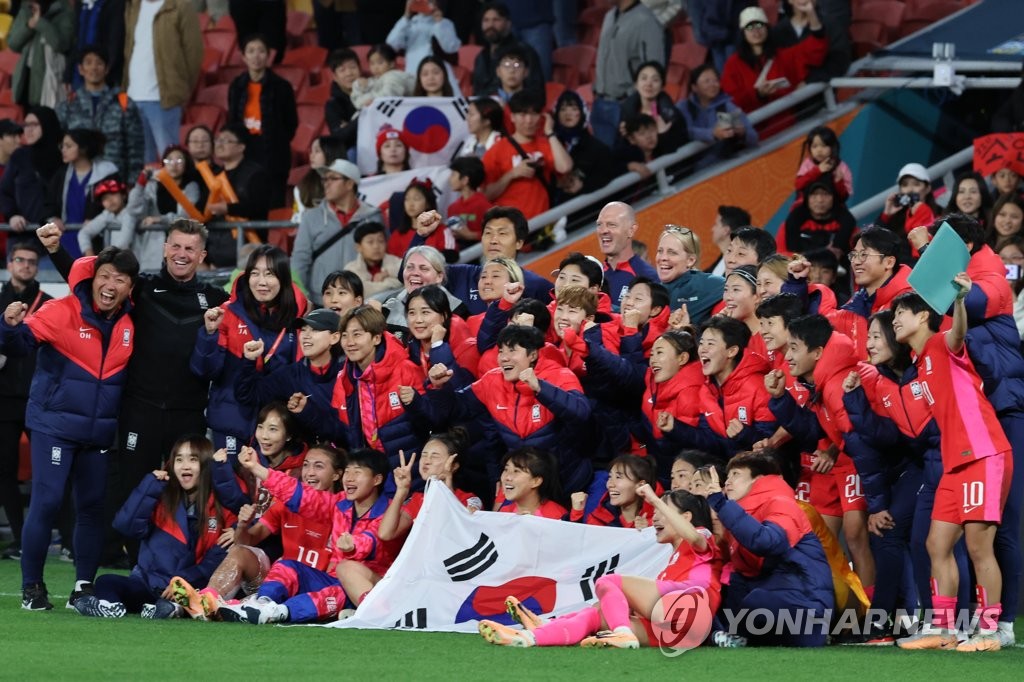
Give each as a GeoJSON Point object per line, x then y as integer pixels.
{"type": "Point", "coordinates": [707, 414]}
{"type": "Point", "coordinates": [159, 291]}
{"type": "Point", "coordinates": [83, 330]}
{"type": "Point", "coordinates": [500, 407]}
{"type": "Point", "coordinates": [968, 510]}
{"type": "Point", "coordinates": [290, 525]}
{"type": "Point", "coordinates": [103, 452]}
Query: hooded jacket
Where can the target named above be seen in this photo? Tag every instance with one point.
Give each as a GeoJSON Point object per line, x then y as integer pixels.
{"type": "Point", "coordinates": [772, 545]}
{"type": "Point", "coordinates": [852, 318]}
{"type": "Point", "coordinates": [219, 358]}
{"type": "Point", "coordinates": [169, 547]}
{"type": "Point", "coordinates": [80, 365]}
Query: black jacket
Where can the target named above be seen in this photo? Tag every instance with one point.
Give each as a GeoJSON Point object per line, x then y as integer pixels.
{"type": "Point", "coordinates": [673, 138]}
{"type": "Point", "coordinates": [251, 184]}
{"type": "Point", "coordinates": [167, 317]}
{"type": "Point", "coordinates": [485, 79]}
{"type": "Point", "coordinates": [22, 189]}
{"type": "Point", "coordinates": [338, 112]}
{"type": "Point", "coordinates": [272, 148]}
{"type": "Point", "coordinates": [16, 374]}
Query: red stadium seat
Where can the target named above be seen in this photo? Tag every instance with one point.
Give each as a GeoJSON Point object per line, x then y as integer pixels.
{"type": "Point", "coordinates": [887, 12]}
{"type": "Point", "coordinates": [467, 56]}
{"type": "Point", "coordinates": [866, 30]}
{"type": "Point", "coordinates": [552, 91]}
{"type": "Point", "coordinates": [11, 111]}
{"type": "Point", "coordinates": [315, 94]}
{"type": "Point", "coordinates": [311, 115]}
{"type": "Point", "coordinates": [226, 74]}
{"type": "Point", "coordinates": [297, 24]}
{"type": "Point", "coordinates": [222, 41]}
{"type": "Point", "coordinates": [691, 55]}
{"type": "Point", "coordinates": [573, 65]}
{"type": "Point", "coordinates": [223, 23]}
{"type": "Point", "coordinates": [217, 95]}
{"type": "Point", "coordinates": [296, 174]}
{"type": "Point", "coordinates": [304, 136]}
{"type": "Point", "coordinates": [590, 21]}
{"type": "Point", "coordinates": [204, 20]}
{"type": "Point", "coordinates": [932, 10]}
{"type": "Point", "coordinates": [363, 52]}
{"type": "Point", "coordinates": [586, 93]}
{"type": "Point", "coordinates": [682, 31]}
{"type": "Point", "coordinates": [296, 75]}
{"type": "Point", "coordinates": [912, 26]}
{"type": "Point", "coordinates": [8, 61]}
{"type": "Point", "coordinates": [676, 91]}
{"type": "Point", "coordinates": [209, 115]}
{"type": "Point", "coordinates": [310, 57]}
{"type": "Point", "coordinates": [771, 8]}
{"type": "Point", "coordinates": [862, 48]}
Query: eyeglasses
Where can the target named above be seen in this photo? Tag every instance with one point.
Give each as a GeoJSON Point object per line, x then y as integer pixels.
{"type": "Point", "coordinates": [25, 261]}
{"type": "Point", "coordinates": [861, 256]}
{"type": "Point", "coordinates": [174, 162]}
{"type": "Point", "coordinates": [681, 231]}
{"type": "Point", "coordinates": [755, 26]}
{"type": "Point", "coordinates": [512, 65]}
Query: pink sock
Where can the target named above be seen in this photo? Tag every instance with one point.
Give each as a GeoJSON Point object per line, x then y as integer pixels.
{"type": "Point", "coordinates": [614, 606]}
{"type": "Point", "coordinates": [944, 608]}
{"type": "Point", "coordinates": [869, 591]}
{"type": "Point", "coordinates": [570, 629]}
{"type": "Point", "coordinates": [987, 614]}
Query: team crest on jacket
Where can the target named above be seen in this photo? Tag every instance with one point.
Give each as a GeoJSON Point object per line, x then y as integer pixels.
{"type": "Point", "coordinates": [915, 389]}
{"type": "Point", "coordinates": [126, 338]}
{"type": "Point", "coordinates": [211, 524]}
{"type": "Point", "coordinates": [535, 413]}
{"type": "Point", "coordinates": [393, 400]}
{"type": "Point", "coordinates": [202, 301]}
{"type": "Point", "coordinates": [741, 414]}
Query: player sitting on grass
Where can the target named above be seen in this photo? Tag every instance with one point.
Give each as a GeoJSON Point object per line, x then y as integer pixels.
{"type": "Point", "coordinates": [625, 603]}
{"type": "Point", "coordinates": [247, 565]}
{"type": "Point", "coordinates": [299, 593]}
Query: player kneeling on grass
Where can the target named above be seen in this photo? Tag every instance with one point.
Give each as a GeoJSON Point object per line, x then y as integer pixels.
{"type": "Point", "coordinates": [977, 464]}
{"type": "Point", "coordinates": [181, 527]}
{"type": "Point", "coordinates": [247, 565]}
{"type": "Point", "coordinates": [621, 619]}
{"type": "Point", "coordinates": [296, 592]}
{"type": "Point", "coordinates": [438, 461]}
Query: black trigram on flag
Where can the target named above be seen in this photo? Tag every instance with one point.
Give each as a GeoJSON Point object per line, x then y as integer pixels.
{"type": "Point", "coordinates": [414, 620]}
{"type": "Point", "coordinates": [470, 563]}
{"type": "Point", "coordinates": [389, 106]}
{"type": "Point", "coordinates": [590, 576]}
{"type": "Point", "coordinates": [461, 107]}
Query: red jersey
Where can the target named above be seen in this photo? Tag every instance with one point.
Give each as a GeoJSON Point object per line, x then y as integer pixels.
{"type": "Point", "coordinates": [549, 510]}
{"type": "Point", "coordinates": [471, 210]}
{"type": "Point", "coordinates": [306, 540]}
{"type": "Point", "coordinates": [687, 565]}
{"type": "Point", "coordinates": [529, 195]}
{"type": "Point", "coordinates": [965, 417]}
{"type": "Point", "coordinates": [413, 505]}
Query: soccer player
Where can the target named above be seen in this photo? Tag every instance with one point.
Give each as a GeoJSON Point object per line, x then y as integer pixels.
{"type": "Point", "coordinates": [977, 468]}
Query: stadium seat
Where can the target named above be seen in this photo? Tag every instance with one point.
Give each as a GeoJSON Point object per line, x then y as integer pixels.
{"type": "Point", "coordinates": [8, 60]}
{"type": "Point", "coordinates": [862, 48]}
{"type": "Point", "coordinates": [866, 30]}
{"type": "Point", "coordinates": [209, 115]}
{"type": "Point", "coordinates": [467, 56]}
{"type": "Point", "coordinates": [932, 10]}
{"type": "Point", "coordinates": [212, 59]}
{"type": "Point", "coordinates": [11, 111]}
{"type": "Point", "coordinates": [296, 26]}
{"type": "Point", "coordinates": [311, 115]}
{"type": "Point", "coordinates": [296, 75]}
{"type": "Point", "coordinates": [217, 95]}
{"type": "Point", "coordinates": [676, 91]}
{"type": "Point", "coordinates": [315, 94]}
{"type": "Point", "coordinates": [677, 74]}
{"type": "Point", "coordinates": [223, 23]}
{"type": "Point", "coordinates": [204, 20]}
{"type": "Point", "coordinates": [573, 65]}
{"type": "Point", "coordinates": [887, 12]}
{"type": "Point", "coordinates": [310, 57]}
{"type": "Point", "coordinates": [296, 174]}
{"type": "Point", "coordinates": [222, 41]}
{"type": "Point", "coordinates": [912, 26]}
{"type": "Point", "coordinates": [590, 21]}
{"type": "Point", "coordinates": [304, 136]}
{"type": "Point", "coordinates": [691, 55]}
{"type": "Point", "coordinates": [682, 31]}
{"type": "Point", "coordinates": [586, 93]}
{"type": "Point", "coordinates": [771, 8]}
{"type": "Point", "coordinates": [226, 74]}
{"type": "Point", "coordinates": [552, 91]}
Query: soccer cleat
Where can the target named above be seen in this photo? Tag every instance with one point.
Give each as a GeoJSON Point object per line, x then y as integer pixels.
{"type": "Point", "coordinates": [522, 615]}
{"type": "Point", "coordinates": [12, 552]}
{"type": "Point", "coordinates": [82, 588]}
{"type": "Point", "coordinates": [260, 611]}
{"type": "Point", "coordinates": [186, 596]}
{"type": "Point", "coordinates": [981, 641]}
{"type": "Point", "coordinates": [503, 635]}
{"type": "Point", "coordinates": [94, 607]}
{"type": "Point", "coordinates": [163, 609]}
{"type": "Point", "coordinates": [147, 611]}
{"type": "Point", "coordinates": [616, 640]}
{"type": "Point", "coordinates": [875, 635]}
{"type": "Point", "coordinates": [724, 640]}
{"type": "Point", "coordinates": [930, 637]}
{"type": "Point", "coordinates": [35, 598]}
{"type": "Point", "coordinates": [1007, 639]}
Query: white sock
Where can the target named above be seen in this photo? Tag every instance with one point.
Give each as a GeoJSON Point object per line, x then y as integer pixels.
{"type": "Point", "coordinates": [80, 583]}
{"type": "Point", "coordinates": [1005, 627]}
{"type": "Point", "coordinates": [624, 630]}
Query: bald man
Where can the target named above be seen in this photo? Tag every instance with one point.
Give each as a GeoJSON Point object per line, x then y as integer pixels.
{"type": "Point", "coordinates": [616, 225]}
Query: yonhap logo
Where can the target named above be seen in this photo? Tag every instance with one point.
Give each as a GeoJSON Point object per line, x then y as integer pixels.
{"type": "Point", "coordinates": [470, 563]}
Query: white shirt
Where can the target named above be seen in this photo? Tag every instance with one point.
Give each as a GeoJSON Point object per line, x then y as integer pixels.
{"type": "Point", "coordinates": [142, 83]}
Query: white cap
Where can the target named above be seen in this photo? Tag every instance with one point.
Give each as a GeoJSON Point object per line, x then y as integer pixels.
{"type": "Point", "coordinates": [342, 167]}
{"type": "Point", "coordinates": [914, 170]}
{"type": "Point", "coordinates": [752, 14]}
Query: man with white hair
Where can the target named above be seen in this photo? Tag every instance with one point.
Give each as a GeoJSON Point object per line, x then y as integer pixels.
{"type": "Point", "coordinates": [616, 225]}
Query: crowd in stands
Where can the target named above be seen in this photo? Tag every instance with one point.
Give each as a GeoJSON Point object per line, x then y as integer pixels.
{"type": "Point", "coordinates": [258, 453]}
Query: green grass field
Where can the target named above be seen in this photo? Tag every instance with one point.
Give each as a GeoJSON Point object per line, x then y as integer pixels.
{"type": "Point", "coordinates": [61, 644]}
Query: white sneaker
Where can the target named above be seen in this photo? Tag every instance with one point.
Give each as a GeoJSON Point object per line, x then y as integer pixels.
{"type": "Point", "coordinates": [1007, 638]}
{"type": "Point", "coordinates": [723, 639]}
{"type": "Point", "coordinates": [258, 612]}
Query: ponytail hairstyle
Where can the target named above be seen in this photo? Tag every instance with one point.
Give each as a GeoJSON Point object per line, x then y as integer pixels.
{"type": "Point", "coordinates": [700, 513]}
